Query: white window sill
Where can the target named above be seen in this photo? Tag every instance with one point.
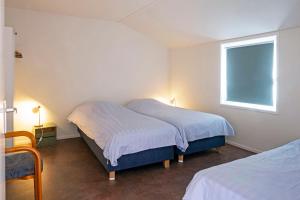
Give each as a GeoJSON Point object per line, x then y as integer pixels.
{"type": "Point", "coordinates": [250, 107]}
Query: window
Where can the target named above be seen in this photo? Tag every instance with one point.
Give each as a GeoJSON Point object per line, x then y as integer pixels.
{"type": "Point", "coordinates": [249, 73]}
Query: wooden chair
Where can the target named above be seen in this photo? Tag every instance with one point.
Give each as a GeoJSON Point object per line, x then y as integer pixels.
{"type": "Point", "coordinates": [24, 162]}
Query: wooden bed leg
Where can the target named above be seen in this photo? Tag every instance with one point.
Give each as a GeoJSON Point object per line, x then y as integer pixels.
{"type": "Point", "coordinates": [217, 149]}
{"type": "Point", "coordinates": [180, 158]}
{"type": "Point", "coordinates": [112, 175]}
{"type": "Point", "coordinates": [166, 164]}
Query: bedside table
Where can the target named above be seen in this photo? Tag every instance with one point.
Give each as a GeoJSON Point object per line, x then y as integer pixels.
{"type": "Point", "coordinates": [48, 131]}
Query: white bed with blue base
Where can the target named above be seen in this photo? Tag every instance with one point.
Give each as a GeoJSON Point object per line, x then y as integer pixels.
{"type": "Point", "coordinates": [121, 138]}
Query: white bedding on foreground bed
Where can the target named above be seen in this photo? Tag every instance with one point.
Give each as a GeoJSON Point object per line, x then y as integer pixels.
{"type": "Point", "coordinates": [192, 125]}
{"type": "Point", "coordinates": [271, 175]}
{"type": "Point", "coordinates": [120, 131]}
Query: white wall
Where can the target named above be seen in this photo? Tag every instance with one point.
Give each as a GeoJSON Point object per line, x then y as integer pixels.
{"type": "Point", "coordinates": [195, 82]}
{"type": "Point", "coordinates": [69, 60]}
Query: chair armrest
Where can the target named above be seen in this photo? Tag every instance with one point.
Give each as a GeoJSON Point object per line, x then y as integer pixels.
{"type": "Point", "coordinates": [20, 134]}
{"type": "Point", "coordinates": [37, 176]}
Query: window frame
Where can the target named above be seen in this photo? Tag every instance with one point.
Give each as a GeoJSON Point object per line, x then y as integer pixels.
{"type": "Point", "coordinates": [223, 87]}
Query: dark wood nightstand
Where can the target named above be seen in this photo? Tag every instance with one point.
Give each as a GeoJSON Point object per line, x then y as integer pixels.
{"type": "Point", "coordinates": [48, 131]}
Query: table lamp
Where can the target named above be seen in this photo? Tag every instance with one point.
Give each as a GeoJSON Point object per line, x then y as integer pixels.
{"type": "Point", "coordinates": [173, 101]}
{"type": "Point", "coordinates": [38, 110]}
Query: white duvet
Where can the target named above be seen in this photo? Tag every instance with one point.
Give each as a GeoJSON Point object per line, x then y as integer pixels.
{"type": "Point", "coordinates": [192, 125]}
{"type": "Point", "coordinates": [120, 131]}
{"type": "Point", "coordinates": [272, 175]}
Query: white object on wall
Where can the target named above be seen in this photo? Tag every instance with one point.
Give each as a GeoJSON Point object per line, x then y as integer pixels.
{"type": "Point", "coordinates": [9, 62]}
{"type": "Point", "coordinates": [2, 95]}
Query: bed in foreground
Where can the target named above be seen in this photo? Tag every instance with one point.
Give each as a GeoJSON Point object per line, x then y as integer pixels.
{"type": "Point", "coordinates": [121, 138]}
{"type": "Point", "coordinates": [200, 131]}
{"type": "Point", "coordinates": [271, 175]}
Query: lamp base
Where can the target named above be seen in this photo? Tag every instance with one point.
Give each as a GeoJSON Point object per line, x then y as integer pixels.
{"type": "Point", "coordinates": [38, 126]}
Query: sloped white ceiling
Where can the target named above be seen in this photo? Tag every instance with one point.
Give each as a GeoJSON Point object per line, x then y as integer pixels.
{"type": "Point", "coordinates": [182, 22]}
{"type": "Point", "coordinates": [103, 9]}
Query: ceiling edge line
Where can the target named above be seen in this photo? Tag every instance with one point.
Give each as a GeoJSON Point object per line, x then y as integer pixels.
{"type": "Point", "coordinates": [137, 10]}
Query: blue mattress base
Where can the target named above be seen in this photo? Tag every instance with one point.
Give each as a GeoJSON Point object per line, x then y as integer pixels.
{"type": "Point", "coordinates": [202, 145]}
{"type": "Point", "coordinates": [130, 160]}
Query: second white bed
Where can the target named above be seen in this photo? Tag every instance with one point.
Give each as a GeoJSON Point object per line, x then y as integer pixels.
{"type": "Point", "coordinates": [192, 125]}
